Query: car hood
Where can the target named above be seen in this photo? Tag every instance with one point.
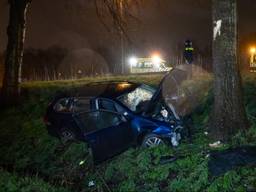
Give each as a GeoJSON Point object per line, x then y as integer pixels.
{"type": "Point", "coordinates": [173, 92]}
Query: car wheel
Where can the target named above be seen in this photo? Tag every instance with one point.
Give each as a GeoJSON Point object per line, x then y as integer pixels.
{"type": "Point", "coordinates": [67, 135]}
{"type": "Point", "coordinates": [152, 140]}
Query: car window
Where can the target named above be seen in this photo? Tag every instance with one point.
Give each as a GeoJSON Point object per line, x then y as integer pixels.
{"type": "Point", "coordinates": [64, 105]}
{"type": "Point", "coordinates": [99, 120]}
{"type": "Point", "coordinates": [119, 109]}
{"type": "Point", "coordinates": [105, 104]}
{"type": "Point", "coordinates": [135, 98]}
{"type": "Point", "coordinates": [81, 104]}
{"type": "Point", "coordinates": [108, 119]}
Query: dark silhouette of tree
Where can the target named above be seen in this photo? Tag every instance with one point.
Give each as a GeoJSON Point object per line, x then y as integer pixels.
{"type": "Point", "coordinates": [14, 53]}
{"type": "Point", "coordinates": [1, 69]}
{"type": "Point", "coordinates": [16, 37]}
{"type": "Point", "coordinates": [109, 55]}
{"type": "Point", "coordinates": [43, 64]}
{"type": "Point", "coordinates": [229, 114]}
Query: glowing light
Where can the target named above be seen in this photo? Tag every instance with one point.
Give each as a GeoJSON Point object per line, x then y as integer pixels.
{"type": "Point", "coordinates": [123, 86]}
{"type": "Point", "coordinates": [156, 60]}
{"type": "Point", "coordinates": [133, 61]}
{"type": "Point", "coordinates": [253, 50]}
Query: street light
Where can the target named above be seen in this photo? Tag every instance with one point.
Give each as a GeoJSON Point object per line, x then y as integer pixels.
{"type": "Point", "coordinates": [253, 50]}
{"type": "Point", "coordinates": [133, 61]}
{"type": "Point", "coordinates": [253, 59]}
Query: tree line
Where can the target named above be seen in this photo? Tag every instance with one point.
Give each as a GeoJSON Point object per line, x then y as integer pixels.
{"type": "Point", "coordinates": [58, 63]}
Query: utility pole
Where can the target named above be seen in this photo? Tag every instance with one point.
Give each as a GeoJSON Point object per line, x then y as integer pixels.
{"type": "Point", "coordinates": [122, 40]}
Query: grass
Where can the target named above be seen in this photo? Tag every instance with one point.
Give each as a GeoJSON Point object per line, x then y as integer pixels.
{"type": "Point", "coordinates": [33, 161]}
{"type": "Point", "coordinates": [12, 183]}
{"type": "Point", "coordinates": [151, 79]}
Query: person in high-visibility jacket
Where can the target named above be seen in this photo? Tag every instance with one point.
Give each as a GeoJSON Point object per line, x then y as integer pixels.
{"type": "Point", "coordinates": [188, 55]}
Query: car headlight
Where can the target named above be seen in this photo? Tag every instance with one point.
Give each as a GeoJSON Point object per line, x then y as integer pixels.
{"type": "Point", "coordinates": [175, 139]}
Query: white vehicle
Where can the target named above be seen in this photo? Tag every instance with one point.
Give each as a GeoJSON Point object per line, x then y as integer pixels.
{"type": "Point", "coordinates": [148, 65]}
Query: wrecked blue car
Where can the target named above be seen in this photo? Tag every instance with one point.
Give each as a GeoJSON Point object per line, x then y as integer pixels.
{"type": "Point", "coordinates": [113, 116]}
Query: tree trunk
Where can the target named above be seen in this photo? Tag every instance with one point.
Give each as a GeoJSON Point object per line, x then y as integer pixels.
{"type": "Point", "coordinates": [14, 54]}
{"type": "Point", "coordinates": [229, 114]}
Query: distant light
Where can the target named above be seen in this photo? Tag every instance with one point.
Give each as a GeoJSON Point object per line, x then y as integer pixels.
{"type": "Point", "coordinates": [133, 61]}
{"type": "Point", "coordinates": [156, 60]}
{"type": "Point", "coordinates": [121, 86]}
{"type": "Point", "coordinates": [253, 50]}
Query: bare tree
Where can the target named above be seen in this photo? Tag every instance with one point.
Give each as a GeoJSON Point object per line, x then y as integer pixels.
{"type": "Point", "coordinates": [14, 53]}
{"type": "Point", "coordinates": [229, 114]}
{"type": "Point", "coordinates": [122, 14]}
{"type": "Point", "coordinates": [1, 69]}
{"type": "Point", "coordinates": [16, 37]}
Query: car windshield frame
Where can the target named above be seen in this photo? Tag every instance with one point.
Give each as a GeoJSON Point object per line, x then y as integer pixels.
{"type": "Point", "coordinates": [132, 105]}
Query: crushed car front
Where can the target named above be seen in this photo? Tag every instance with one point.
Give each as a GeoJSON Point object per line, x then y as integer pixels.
{"type": "Point", "coordinates": [152, 115]}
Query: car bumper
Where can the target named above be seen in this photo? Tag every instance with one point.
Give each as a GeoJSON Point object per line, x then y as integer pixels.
{"type": "Point", "coordinates": [175, 139]}
{"type": "Point", "coordinates": [172, 139]}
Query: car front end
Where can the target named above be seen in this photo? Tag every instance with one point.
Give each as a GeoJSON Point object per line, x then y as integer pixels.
{"type": "Point", "coordinates": [170, 134]}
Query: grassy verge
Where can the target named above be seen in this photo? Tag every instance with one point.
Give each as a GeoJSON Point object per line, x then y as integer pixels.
{"type": "Point", "coordinates": [12, 183]}
{"type": "Point", "coordinates": [33, 161]}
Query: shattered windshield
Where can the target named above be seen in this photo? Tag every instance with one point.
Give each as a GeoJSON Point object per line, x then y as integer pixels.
{"type": "Point", "coordinates": [137, 97]}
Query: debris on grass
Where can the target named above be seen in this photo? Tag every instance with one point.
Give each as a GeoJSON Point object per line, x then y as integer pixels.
{"type": "Point", "coordinates": [216, 144]}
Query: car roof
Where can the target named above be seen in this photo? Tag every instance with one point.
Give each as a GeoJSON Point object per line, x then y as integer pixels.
{"type": "Point", "coordinates": [109, 89]}
{"type": "Point", "coordinates": [117, 89]}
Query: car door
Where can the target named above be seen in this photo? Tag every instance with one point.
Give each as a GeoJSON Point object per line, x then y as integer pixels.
{"type": "Point", "coordinates": [107, 133]}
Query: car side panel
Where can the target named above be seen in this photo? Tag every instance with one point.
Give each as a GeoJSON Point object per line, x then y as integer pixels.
{"type": "Point", "coordinates": [110, 141]}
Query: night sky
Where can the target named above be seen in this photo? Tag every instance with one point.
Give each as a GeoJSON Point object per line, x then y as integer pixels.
{"type": "Point", "coordinates": [162, 25]}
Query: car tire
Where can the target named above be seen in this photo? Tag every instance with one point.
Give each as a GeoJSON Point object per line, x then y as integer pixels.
{"type": "Point", "coordinates": [67, 135]}
{"type": "Point", "coordinates": [152, 140]}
